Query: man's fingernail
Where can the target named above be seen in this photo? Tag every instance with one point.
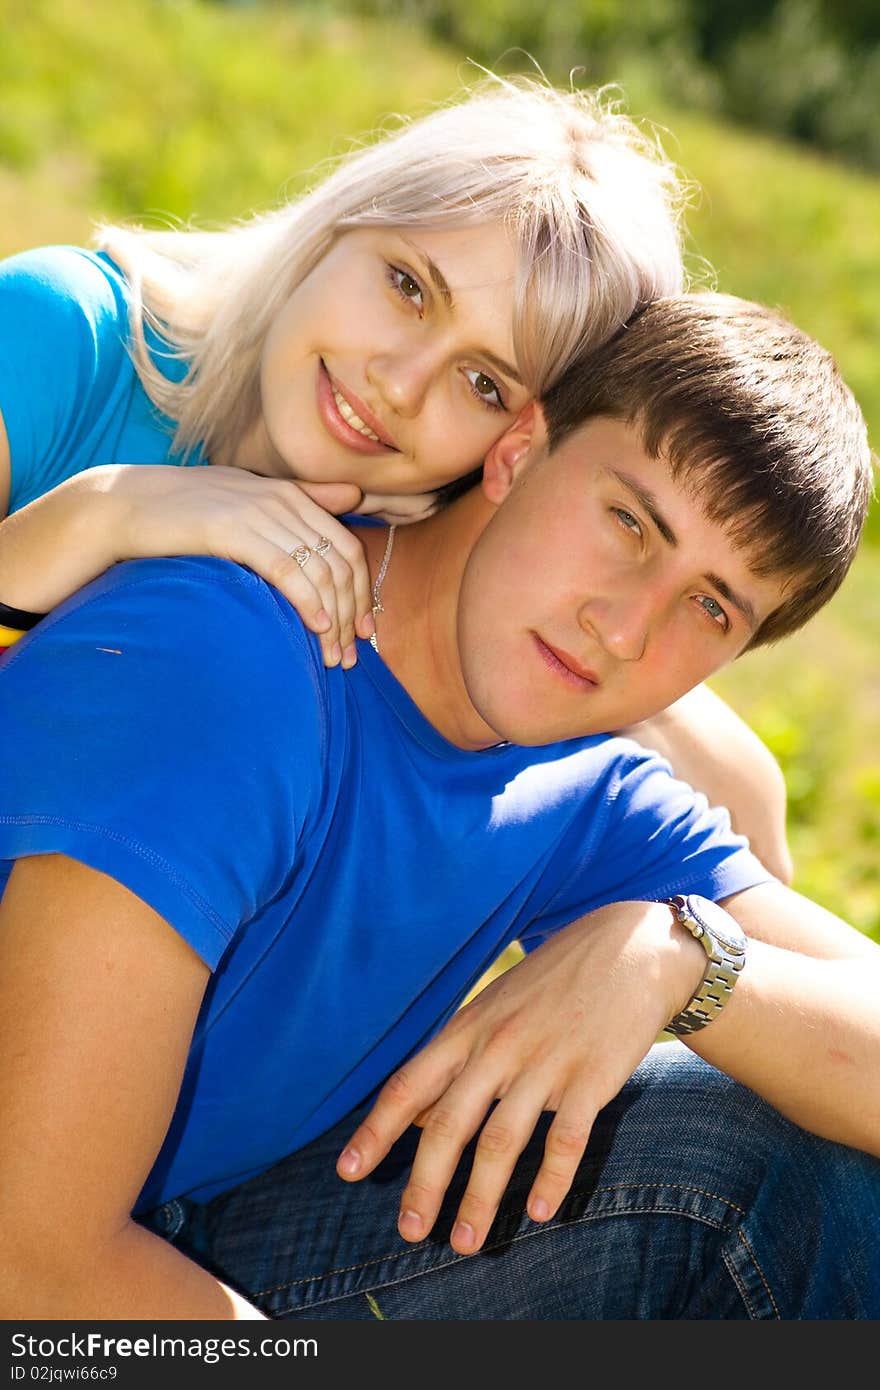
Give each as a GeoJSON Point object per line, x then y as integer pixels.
{"type": "Point", "coordinates": [463, 1236]}
{"type": "Point", "coordinates": [349, 1161]}
{"type": "Point", "coordinates": [410, 1225]}
{"type": "Point", "coordinates": [539, 1210]}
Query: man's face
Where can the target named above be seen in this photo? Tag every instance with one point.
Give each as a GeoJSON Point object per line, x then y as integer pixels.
{"type": "Point", "coordinates": [599, 593]}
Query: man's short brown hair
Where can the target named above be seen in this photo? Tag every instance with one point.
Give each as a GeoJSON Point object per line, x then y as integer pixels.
{"type": "Point", "coordinates": [753, 415]}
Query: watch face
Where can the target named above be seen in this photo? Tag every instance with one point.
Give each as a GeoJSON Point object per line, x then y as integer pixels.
{"type": "Point", "coordinates": [718, 923]}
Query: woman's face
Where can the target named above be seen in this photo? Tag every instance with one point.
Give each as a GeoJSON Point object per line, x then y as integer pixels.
{"type": "Point", "coordinates": [391, 366]}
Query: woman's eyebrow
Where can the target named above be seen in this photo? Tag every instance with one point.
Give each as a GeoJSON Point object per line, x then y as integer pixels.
{"type": "Point", "coordinates": [433, 273]}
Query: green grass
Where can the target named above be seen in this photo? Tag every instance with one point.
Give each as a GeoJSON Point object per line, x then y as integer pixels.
{"type": "Point", "coordinates": [186, 109]}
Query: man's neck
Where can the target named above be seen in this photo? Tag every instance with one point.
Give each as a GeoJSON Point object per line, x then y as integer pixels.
{"type": "Point", "coordinates": [417, 631]}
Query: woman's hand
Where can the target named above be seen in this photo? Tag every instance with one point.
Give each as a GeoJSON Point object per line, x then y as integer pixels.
{"type": "Point", "coordinates": [561, 1031]}
{"type": "Point", "coordinates": [259, 522]}
{"type": "Point", "coordinates": [397, 509]}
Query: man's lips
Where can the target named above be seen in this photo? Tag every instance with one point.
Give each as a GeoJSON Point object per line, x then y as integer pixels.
{"type": "Point", "coordinates": [565, 665]}
{"type": "Point", "coordinates": [337, 424]}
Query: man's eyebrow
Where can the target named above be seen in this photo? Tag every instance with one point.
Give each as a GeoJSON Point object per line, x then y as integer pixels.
{"type": "Point", "coordinates": [440, 283]}
{"type": "Point", "coordinates": [724, 589]}
{"type": "Point", "coordinates": [649, 502]}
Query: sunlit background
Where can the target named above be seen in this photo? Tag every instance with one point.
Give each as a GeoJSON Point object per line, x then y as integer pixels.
{"type": "Point", "coordinates": [197, 110]}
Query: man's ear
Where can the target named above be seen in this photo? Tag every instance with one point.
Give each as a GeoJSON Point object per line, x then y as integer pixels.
{"type": "Point", "coordinates": [518, 446]}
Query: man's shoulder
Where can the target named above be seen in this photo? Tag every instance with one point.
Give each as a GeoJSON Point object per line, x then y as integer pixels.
{"type": "Point", "coordinates": [204, 627]}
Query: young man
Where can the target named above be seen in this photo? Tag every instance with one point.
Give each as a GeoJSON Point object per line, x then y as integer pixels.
{"type": "Point", "coordinates": [245, 889]}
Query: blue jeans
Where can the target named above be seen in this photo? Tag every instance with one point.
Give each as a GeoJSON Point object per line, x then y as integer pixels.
{"type": "Point", "coordinates": [695, 1199]}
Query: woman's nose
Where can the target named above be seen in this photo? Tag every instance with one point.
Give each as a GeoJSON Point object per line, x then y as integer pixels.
{"type": "Point", "coordinates": [402, 379]}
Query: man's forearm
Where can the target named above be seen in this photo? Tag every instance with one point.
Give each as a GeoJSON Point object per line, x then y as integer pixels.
{"type": "Point", "coordinates": [136, 1275]}
{"type": "Point", "coordinates": [804, 1033]}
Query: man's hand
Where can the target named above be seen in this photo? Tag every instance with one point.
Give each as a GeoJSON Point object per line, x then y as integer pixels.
{"type": "Point", "coordinates": [562, 1030]}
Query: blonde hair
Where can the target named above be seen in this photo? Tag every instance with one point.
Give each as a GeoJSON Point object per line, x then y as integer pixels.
{"type": "Point", "coordinates": [593, 205]}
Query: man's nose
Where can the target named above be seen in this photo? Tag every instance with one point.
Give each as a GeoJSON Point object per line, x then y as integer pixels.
{"type": "Point", "coordinates": [621, 624]}
{"type": "Point", "coordinates": [402, 378]}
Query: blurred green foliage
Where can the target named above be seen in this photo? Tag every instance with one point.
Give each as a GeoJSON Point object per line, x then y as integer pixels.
{"type": "Point", "coordinates": [805, 68]}
{"type": "Point", "coordinates": [186, 109]}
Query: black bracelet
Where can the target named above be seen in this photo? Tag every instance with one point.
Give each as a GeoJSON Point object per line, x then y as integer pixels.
{"type": "Point", "coordinates": [19, 618]}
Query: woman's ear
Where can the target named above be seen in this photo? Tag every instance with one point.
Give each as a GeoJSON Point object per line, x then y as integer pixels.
{"type": "Point", "coordinates": [519, 446]}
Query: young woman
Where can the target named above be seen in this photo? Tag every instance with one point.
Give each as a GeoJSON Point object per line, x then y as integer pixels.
{"type": "Point", "coordinates": [380, 332]}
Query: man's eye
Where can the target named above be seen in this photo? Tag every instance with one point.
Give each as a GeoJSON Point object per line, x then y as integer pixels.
{"type": "Point", "coordinates": [714, 610]}
{"type": "Point", "coordinates": [407, 285]}
{"type": "Point", "coordinates": [627, 520]}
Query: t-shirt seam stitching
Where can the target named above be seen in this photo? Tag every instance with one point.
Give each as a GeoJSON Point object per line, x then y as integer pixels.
{"type": "Point", "coordinates": [149, 855]}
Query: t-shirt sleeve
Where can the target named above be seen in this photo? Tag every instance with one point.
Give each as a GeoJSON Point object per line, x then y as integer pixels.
{"type": "Point", "coordinates": [63, 327]}
{"type": "Point", "coordinates": [166, 726]}
{"type": "Point", "coordinates": [653, 837]}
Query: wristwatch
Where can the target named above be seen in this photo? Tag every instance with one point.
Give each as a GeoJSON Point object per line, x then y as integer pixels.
{"type": "Point", "coordinates": [724, 942]}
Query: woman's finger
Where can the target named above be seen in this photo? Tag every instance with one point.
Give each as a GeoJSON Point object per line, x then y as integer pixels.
{"type": "Point", "coordinates": [302, 570]}
{"type": "Point", "coordinates": [344, 557]}
{"type": "Point", "coordinates": [343, 582]}
{"type": "Point", "coordinates": [287, 562]}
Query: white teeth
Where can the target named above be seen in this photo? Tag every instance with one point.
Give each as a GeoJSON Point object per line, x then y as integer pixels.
{"type": "Point", "coordinates": [351, 418]}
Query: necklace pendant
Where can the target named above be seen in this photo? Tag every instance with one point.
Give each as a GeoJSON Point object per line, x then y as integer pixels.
{"type": "Point", "coordinates": [377, 587]}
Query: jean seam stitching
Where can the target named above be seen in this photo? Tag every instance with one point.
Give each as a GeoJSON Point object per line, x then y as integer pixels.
{"type": "Point", "coordinates": [755, 1261]}
{"type": "Point", "coordinates": [512, 1240]}
{"type": "Point", "coordinates": [739, 1286]}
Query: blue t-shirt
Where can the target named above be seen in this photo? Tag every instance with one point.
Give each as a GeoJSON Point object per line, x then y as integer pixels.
{"type": "Point", "coordinates": [346, 873]}
{"type": "Point", "coordinates": [69, 394]}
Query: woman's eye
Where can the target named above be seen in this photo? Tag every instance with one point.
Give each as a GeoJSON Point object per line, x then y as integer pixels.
{"type": "Point", "coordinates": [407, 285]}
{"type": "Point", "coordinates": [627, 520]}
{"type": "Point", "coordinates": [711, 606]}
{"type": "Point", "coordinates": [485, 389]}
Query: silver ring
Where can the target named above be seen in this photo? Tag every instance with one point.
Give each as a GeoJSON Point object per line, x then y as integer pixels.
{"type": "Point", "coordinates": [323, 546]}
{"type": "Point", "coordinates": [301, 554]}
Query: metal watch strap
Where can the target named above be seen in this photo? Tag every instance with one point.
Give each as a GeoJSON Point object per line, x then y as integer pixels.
{"type": "Point", "coordinates": [724, 966]}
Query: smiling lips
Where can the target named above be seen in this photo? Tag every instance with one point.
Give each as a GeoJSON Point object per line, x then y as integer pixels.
{"type": "Point", "coordinates": [566, 666]}
{"type": "Point", "coordinates": [348, 419]}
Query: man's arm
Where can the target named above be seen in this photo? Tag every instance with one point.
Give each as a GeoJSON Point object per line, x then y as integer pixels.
{"type": "Point", "coordinates": [708, 745]}
{"type": "Point", "coordinates": [98, 1000]}
{"type": "Point", "coordinates": [565, 1028]}
{"type": "Point", "coordinates": [804, 1031]}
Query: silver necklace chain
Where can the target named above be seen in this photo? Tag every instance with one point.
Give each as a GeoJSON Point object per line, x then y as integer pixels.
{"type": "Point", "coordinates": [380, 578]}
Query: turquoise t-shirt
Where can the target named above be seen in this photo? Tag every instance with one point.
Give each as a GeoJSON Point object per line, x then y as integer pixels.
{"type": "Point", "coordinates": [69, 393]}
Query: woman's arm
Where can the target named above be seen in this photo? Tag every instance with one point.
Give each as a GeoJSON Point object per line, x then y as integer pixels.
{"type": "Point", "coordinates": [74, 532]}
{"type": "Point", "coordinates": [98, 999]}
{"type": "Point", "coordinates": [710, 747]}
